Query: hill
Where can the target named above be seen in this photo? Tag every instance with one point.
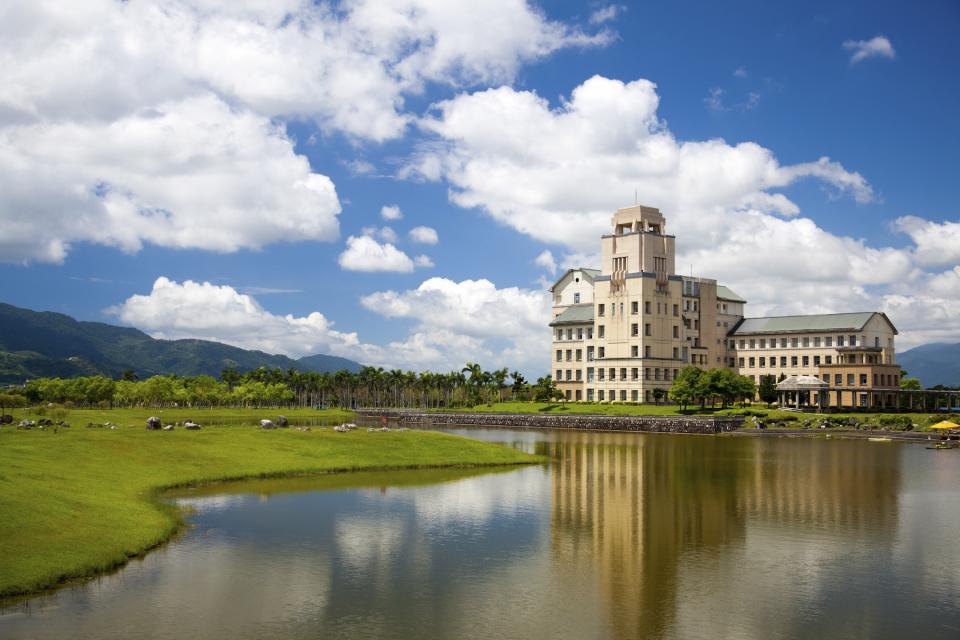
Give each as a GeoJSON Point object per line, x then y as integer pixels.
{"type": "Point", "coordinates": [934, 363]}
{"type": "Point", "coordinates": [34, 344]}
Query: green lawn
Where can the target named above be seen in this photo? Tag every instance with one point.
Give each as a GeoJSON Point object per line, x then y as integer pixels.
{"type": "Point", "coordinates": [801, 420]}
{"type": "Point", "coordinates": [221, 416]}
{"type": "Point", "coordinates": [85, 500]}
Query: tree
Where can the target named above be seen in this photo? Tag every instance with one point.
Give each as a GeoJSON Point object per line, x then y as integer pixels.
{"type": "Point", "coordinates": [129, 375]}
{"type": "Point", "coordinates": [768, 388]}
{"type": "Point", "coordinates": [684, 388]}
{"type": "Point", "coordinates": [546, 390]}
{"type": "Point", "coordinates": [519, 384]}
{"type": "Point", "coordinates": [659, 395]}
{"type": "Point", "coordinates": [11, 401]}
{"type": "Point", "coordinates": [911, 384]}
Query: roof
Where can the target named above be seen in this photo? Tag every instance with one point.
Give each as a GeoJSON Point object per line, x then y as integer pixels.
{"type": "Point", "coordinates": [590, 274]}
{"type": "Point", "coordinates": [575, 314]}
{"type": "Point", "coordinates": [798, 324]}
{"type": "Point", "coordinates": [795, 383]}
{"type": "Point", "coordinates": [726, 293]}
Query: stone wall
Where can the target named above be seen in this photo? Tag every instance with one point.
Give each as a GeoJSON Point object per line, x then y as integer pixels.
{"type": "Point", "coordinates": [651, 424]}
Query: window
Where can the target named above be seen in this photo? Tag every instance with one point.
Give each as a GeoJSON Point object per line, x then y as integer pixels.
{"type": "Point", "coordinates": [589, 354]}
{"type": "Point", "coordinates": [753, 362]}
{"type": "Point", "coordinates": [589, 333]}
{"type": "Point", "coordinates": [635, 373]}
{"type": "Point", "coordinates": [828, 359]}
{"type": "Point", "coordinates": [579, 396]}
{"type": "Point", "coordinates": [600, 310]}
{"type": "Point", "coordinates": [634, 329]}
{"type": "Point", "coordinates": [816, 361]}
{"type": "Point", "coordinates": [646, 330]}
{"type": "Point", "coordinates": [623, 373]}
{"type": "Point", "coordinates": [600, 373]}
{"type": "Point", "coordinates": [696, 306]}
{"type": "Point", "coordinates": [850, 379]}
{"type": "Point", "coordinates": [579, 376]}
{"type": "Point", "coordinates": [828, 341]}
{"type": "Point", "coordinates": [634, 395]}
{"type": "Point", "coordinates": [753, 344]}
{"type": "Point", "coordinates": [559, 356]}
{"type": "Point", "coordinates": [613, 374]}
{"type": "Point", "coordinates": [806, 342]}
{"type": "Point", "coordinates": [837, 379]}
{"type": "Point", "coordinates": [743, 344]}
{"type": "Point", "coordinates": [600, 331]}
{"type": "Point", "coordinates": [569, 355]}
{"type": "Point", "coordinates": [623, 395]}
{"type": "Point", "coordinates": [696, 324]}
{"type": "Point", "coordinates": [676, 311]}
{"type": "Point", "coordinates": [783, 343]}
{"type": "Point", "coordinates": [646, 351]}
{"type": "Point", "coordinates": [794, 342]}
{"type": "Point", "coordinates": [569, 377]}
{"type": "Point", "coordinates": [634, 351]}
{"type": "Point", "coordinates": [576, 300]}
{"type": "Point", "coordinates": [793, 361]}
{"type": "Point", "coordinates": [589, 395]}
{"type": "Point", "coordinates": [676, 331]}
{"type": "Point", "coordinates": [863, 379]}
{"type": "Point", "coordinates": [741, 362]}
{"type": "Point", "coordinates": [839, 341]}
{"type": "Point", "coordinates": [656, 373]}
{"type": "Point", "coordinates": [646, 373]}
{"type": "Point", "coordinates": [567, 394]}
{"type": "Point", "coordinates": [569, 334]}
{"type": "Point", "coordinates": [580, 334]}
{"type": "Point", "coordinates": [613, 309]}
{"type": "Point", "coordinates": [600, 395]}
{"type": "Point", "coordinates": [559, 375]}
{"type": "Point", "coordinates": [600, 351]}
{"type": "Point", "coordinates": [634, 307]}
{"type": "Point", "coordinates": [763, 343]}
{"type": "Point", "coordinates": [646, 306]}
{"type": "Point", "coordinates": [559, 334]}
{"type": "Point", "coordinates": [876, 342]}
{"type": "Point", "coordinates": [806, 361]}
{"type": "Point", "coordinates": [783, 361]}
{"type": "Point", "coordinates": [590, 375]}
{"type": "Point", "coordinates": [853, 341]}
{"type": "Point", "coordinates": [676, 353]}
{"type": "Point", "coordinates": [816, 341]}
{"type": "Point", "coordinates": [579, 355]}
{"type": "Point", "coordinates": [658, 308]}
{"type": "Point", "coordinates": [763, 362]}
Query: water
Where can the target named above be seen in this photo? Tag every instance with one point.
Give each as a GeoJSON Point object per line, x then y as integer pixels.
{"type": "Point", "coordinates": [620, 536]}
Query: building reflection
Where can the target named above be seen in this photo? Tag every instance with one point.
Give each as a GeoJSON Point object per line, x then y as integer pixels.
{"type": "Point", "coordinates": [634, 508]}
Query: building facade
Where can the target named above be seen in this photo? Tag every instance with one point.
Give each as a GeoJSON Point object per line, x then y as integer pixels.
{"type": "Point", "coordinates": [623, 333]}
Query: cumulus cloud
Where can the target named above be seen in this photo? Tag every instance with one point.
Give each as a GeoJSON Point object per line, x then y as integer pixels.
{"type": "Point", "coordinates": [123, 123]}
{"type": "Point", "coordinates": [547, 261]}
{"type": "Point", "coordinates": [206, 311]}
{"type": "Point", "coordinates": [876, 47]}
{"type": "Point", "coordinates": [424, 235]}
{"type": "Point", "coordinates": [506, 326]}
{"type": "Point", "coordinates": [607, 13]}
{"type": "Point", "coordinates": [556, 173]}
{"type": "Point", "coordinates": [453, 323]}
{"type": "Point", "coordinates": [423, 261]}
{"type": "Point", "coordinates": [391, 212]}
{"type": "Point", "coordinates": [364, 253]}
{"type": "Point", "coordinates": [936, 243]}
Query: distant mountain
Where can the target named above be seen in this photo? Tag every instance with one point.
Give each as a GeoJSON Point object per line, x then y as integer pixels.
{"type": "Point", "coordinates": [35, 344]}
{"type": "Point", "coordinates": [935, 363]}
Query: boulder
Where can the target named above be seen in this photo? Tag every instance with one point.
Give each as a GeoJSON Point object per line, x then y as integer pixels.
{"type": "Point", "coordinates": [153, 423]}
{"type": "Point", "coordinates": [6, 419]}
{"type": "Point", "coordinates": [26, 424]}
{"type": "Point", "coordinates": [341, 428]}
{"type": "Point", "coordinates": [282, 421]}
{"type": "Point", "coordinates": [169, 427]}
{"type": "Point", "coordinates": [191, 425]}
{"type": "Point", "coordinates": [267, 424]}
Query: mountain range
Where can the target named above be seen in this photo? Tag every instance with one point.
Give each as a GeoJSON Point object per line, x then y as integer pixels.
{"type": "Point", "coordinates": [934, 363]}
{"type": "Point", "coordinates": [35, 344]}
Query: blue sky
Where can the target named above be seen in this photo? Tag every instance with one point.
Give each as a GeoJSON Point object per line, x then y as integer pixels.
{"type": "Point", "coordinates": [130, 171]}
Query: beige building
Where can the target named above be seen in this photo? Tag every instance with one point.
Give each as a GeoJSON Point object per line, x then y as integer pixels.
{"type": "Point", "coordinates": [623, 332]}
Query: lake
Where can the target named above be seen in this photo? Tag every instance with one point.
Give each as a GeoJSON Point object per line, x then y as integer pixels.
{"type": "Point", "coordinates": [619, 536]}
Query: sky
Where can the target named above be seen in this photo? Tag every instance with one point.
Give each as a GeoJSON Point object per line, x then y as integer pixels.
{"type": "Point", "coordinates": [399, 181]}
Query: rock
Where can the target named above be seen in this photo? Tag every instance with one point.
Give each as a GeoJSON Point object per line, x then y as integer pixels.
{"type": "Point", "coordinates": [303, 428]}
{"type": "Point", "coordinates": [26, 424]}
{"type": "Point", "coordinates": [191, 425]}
{"type": "Point", "coordinates": [6, 419]}
{"type": "Point", "coordinates": [341, 428]}
{"type": "Point", "coordinates": [282, 421]}
{"type": "Point", "coordinates": [153, 423]}
{"type": "Point", "coordinates": [267, 424]}
{"type": "Point", "coordinates": [169, 427]}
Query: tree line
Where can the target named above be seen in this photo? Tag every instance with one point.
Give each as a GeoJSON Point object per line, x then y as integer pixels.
{"type": "Point", "coordinates": [711, 386]}
{"type": "Point", "coordinates": [368, 387]}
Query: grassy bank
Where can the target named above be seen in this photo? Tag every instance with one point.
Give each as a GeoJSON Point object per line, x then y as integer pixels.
{"type": "Point", "coordinates": [82, 501]}
{"type": "Point", "coordinates": [791, 419]}
{"type": "Point", "coordinates": [217, 416]}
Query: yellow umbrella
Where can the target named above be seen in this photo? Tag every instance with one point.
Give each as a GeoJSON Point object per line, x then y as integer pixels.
{"type": "Point", "coordinates": [946, 424]}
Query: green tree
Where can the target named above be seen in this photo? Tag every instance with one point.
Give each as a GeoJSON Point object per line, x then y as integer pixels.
{"type": "Point", "coordinates": [768, 388]}
{"type": "Point", "coordinates": [11, 401]}
{"type": "Point", "coordinates": [683, 391]}
{"type": "Point", "coordinates": [911, 384]}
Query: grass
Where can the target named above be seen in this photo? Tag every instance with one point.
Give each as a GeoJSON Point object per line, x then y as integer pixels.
{"type": "Point", "coordinates": [218, 416]}
{"type": "Point", "coordinates": [83, 501]}
{"type": "Point", "coordinates": [800, 420]}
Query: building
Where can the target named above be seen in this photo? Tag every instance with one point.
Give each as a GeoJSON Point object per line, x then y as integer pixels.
{"type": "Point", "coordinates": [623, 333]}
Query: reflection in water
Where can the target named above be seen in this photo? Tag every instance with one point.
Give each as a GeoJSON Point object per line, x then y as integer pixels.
{"type": "Point", "coordinates": [620, 536]}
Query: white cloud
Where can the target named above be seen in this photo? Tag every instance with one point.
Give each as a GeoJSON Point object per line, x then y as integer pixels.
{"type": "Point", "coordinates": [547, 261]}
{"type": "Point", "coordinates": [391, 212]}
{"type": "Point", "coordinates": [557, 173]}
{"type": "Point", "coordinates": [387, 235]}
{"type": "Point", "coordinates": [505, 327]}
{"type": "Point", "coordinates": [936, 243]}
{"type": "Point", "coordinates": [715, 101]}
{"type": "Point", "coordinates": [210, 312]}
{"type": "Point", "coordinates": [424, 235]}
{"type": "Point", "coordinates": [193, 174]}
{"type": "Point", "coordinates": [364, 253]}
{"type": "Point", "coordinates": [876, 47]}
{"type": "Point", "coordinates": [453, 323]}
{"type": "Point", "coordinates": [162, 122]}
{"type": "Point", "coordinates": [423, 261]}
{"type": "Point", "coordinates": [606, 14]}
{"type": "Point", "coordinates": [740, 72]}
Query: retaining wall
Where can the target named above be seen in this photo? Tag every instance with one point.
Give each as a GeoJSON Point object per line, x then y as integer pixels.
{"type": "Point", "coordinates": [650, 424]}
